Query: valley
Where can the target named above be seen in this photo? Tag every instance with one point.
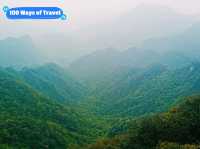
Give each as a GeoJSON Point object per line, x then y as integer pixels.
{"type": "Point", "coordinates": [130, 83]}
{"type": "Point", "coordinates": [46, 103]}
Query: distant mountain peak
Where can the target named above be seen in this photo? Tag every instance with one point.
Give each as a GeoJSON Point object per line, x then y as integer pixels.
{"type": "Point", "coordinates": [19, 52]}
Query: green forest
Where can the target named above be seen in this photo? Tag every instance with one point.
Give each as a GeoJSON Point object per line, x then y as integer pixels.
{"type": "Point", "coordinates": [152, 108]}
{"type": "Point", "coordinates": [116, 74]}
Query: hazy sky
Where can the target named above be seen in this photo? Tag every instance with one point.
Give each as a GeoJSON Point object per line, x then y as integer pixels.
{"type": "Point", "coordinates": [83, 12]}
{"type": "Point", "coordinates": [73, 37]}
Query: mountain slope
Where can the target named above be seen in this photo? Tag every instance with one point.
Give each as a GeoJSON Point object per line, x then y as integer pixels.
{"type": "Point", "coordinates": [95, 66]}
{"type": "Point", "coordinates": [54, 82]}
{"type": "Point", "coordinates": [146, 91]}
{"type": "Point", "coordinates": [177, 50]}
{"type": "Point", "coordinates": [177, 129]}
{"type": "Point", "coordinates": [103, 66]}
{"type": "Point", "coordinates": [19, 52]}
{"type": "Point", "coordinates": [30, 120]}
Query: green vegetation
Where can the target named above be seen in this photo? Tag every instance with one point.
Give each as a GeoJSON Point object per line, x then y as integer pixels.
{"type": "Point", "coordinates": [146, 91]}
{"type": "Point", "coordinates": [177, 129]}
{"type": "Point", "coordinates": [55, 82]}
{"type": "Point", "coordinates": [143, 97]}
{"type": "Point", "coordinates": [28, 119]}
{"type": "Point", "coordinates": [44, 107]}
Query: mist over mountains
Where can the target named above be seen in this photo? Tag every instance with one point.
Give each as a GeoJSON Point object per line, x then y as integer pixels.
{"type": "Point", "coordinates": [122, 32]}
{"type": "Point", "coordinates": [130, 83]}
{"type": "Point", "coordinates": [134, 29]}
{"type": "Point", "coordinates": [143, 22]}
{"type": "Point", "coordinates": [19, 52]}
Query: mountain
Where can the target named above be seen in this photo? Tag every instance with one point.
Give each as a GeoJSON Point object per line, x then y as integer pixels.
{"type": "Point", "coordinates": [178, 128]}
{"type": "Point", "coordinates": [29, 116]}
{"type": "Point", "coordinates": [146, 91]}
{"type": "Point", "coordinates": [29, 119]}
{"type": "Point", "coordinates": [179, 49]}
{"type": "Point", "coordinates": [95, 66]}
{"type": "Point", "coordinates": [139, 24]}
{"type": "Point", "coordinates": [185, 41]}
{"type": "Point", "coordinates": [174, 51]}
{"type": "Point", "coordinates": [101, 66]}
{"type": "Point", "coordinates": [126, 29]}
{"type": "Point", "coordinates": [54, 82]}
{"type": "Point", "coordinates": [137, 58]}
{"type": "Point", "coordinates": [19, 52]}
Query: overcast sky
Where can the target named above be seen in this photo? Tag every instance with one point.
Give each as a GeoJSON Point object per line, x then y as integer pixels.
{"type": "Point", "coordinates": [83, 12]}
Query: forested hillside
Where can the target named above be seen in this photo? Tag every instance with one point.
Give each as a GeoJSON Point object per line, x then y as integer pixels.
{"type": "Point", "coordinates": [101, 66]}
{"type": "Point", "coordinates": [55, 82]}
{"type": "Point", "coordinates": [28, 119]}
{"type": "Point", "coordinates": [112, 75]}
{"type": "Point", "coordinates": [145, 91]}
{"type": "Point", "coordinates": [47, 105]}
{"type": "Point", "coordinates": [179, 128]}
{"type": "Point", "coordinates": [114, 98]}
